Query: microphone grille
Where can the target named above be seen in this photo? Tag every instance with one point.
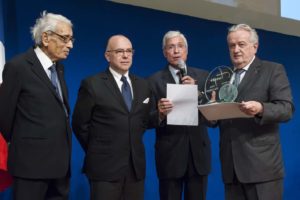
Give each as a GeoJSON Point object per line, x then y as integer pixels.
{"type": "Point", "coordinates": [181, 64]}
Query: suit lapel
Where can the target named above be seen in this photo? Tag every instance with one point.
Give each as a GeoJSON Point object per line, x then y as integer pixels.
{"type": "Point", "coordinates": [191, 72]}
{"type": "Point", "coordinates": [249, 78]}
{"type": "Point", "coordinates": [166, 78]}
{"type": "Point", "coordinates": [113, 87]}
{"type": "Point", "coordinates": [64, 90]}
{"type": "Point", "coordinates": [136, 91]}
{"type": "Point", "coordinates": [38, 69]}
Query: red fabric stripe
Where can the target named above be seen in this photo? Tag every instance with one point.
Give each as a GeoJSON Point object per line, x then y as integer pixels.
{"type": "Point", "coordinates": [5, 178]}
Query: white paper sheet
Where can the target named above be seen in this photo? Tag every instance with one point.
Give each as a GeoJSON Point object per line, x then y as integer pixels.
{"type": "Point", "coordinates": [227, 110]}
{"type": "Point", "coordinates": [185, 101]}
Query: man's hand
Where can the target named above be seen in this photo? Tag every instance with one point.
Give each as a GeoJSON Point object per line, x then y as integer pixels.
{"type": "Point", "coordinates": [251, 108]}
{"type": "Point", "coordinates": [164, 107]}
{"type": "Point", "coordinates": [188, 80]}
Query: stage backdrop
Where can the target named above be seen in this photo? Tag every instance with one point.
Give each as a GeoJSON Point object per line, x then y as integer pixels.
{"type": "Point", "coordinates": [95, 21]}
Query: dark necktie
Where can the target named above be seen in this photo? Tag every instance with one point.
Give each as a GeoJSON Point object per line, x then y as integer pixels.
{"type": "Point", "coordinates": [126, 92]}
{"type": "Point", "coordinates": [237, 77]}
{"type": "Point", "coordinates": [179, 75]}
{"type": "Point", "coordinates": [54, 79]}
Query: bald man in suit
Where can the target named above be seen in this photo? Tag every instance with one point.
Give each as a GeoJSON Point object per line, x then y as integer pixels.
{"type": "Point", "coordinates": [110, 127]}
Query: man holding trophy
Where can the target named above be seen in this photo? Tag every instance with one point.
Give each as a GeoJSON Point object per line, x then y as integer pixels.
{"type": "Point", "coordinates": [250, 148]}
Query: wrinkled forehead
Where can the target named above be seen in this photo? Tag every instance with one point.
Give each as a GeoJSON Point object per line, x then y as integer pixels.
{"type": "Point", "coordinates": [64, 28]}
{"type": "Point", "coordinates": [174, 40]}
{"type": "Point", "coordinates": [239, 35]}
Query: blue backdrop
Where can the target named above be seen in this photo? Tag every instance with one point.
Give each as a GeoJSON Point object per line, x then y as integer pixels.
{"type": "Point", "coordinates": [94, 21]}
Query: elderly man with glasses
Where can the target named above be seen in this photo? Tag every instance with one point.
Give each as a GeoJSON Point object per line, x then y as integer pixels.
{"type": "Point", "coordinates": [182, 153]}
{"type": "Point", "coordinates": [34, 115]}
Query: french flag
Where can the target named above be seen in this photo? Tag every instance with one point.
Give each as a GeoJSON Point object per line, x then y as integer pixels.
{"type": "Point", "coordinates": [5, 178]}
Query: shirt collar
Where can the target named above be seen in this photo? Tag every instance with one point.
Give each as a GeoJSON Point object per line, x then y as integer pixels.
{"type": "Point", "coordinates": [43, 58]}
{"type": "Point", "coordinates": [248, 65]}
{"type": "Point", "coordinates": [118, 76]}
{"type": "Point", "coordinates": [174, 71]}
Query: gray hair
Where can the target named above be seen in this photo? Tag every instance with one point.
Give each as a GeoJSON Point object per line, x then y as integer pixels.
{"type": "Point", "coordinates": [245, 27]}
{"type": "Point", "coordinates": [47, 22]}
{"type": "Point", "coordinates": [171, 34]}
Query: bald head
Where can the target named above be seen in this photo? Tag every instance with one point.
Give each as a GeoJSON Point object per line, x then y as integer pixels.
{"type": "Point", "coordinates": [119, 53]}
{"type": "Point", "coordinates": [115, 41]}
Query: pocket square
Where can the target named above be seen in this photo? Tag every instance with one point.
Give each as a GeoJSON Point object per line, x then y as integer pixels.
{"type": "Point", "coordinates": [146, 100]}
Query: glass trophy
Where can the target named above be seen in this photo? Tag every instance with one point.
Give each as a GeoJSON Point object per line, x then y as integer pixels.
{"type": "Point", "coordinates": [219, 80]}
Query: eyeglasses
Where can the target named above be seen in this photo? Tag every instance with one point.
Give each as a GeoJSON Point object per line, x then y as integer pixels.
{"type": "Point", "coordinates": [63, 38]}
{"type": "Point", "coordinates": [121, 52]}
{"type": "Point", "coordinates": [172, 47]}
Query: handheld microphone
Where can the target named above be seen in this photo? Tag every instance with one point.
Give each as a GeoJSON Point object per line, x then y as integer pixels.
{"type": "Point", "coordinates": [182, 69]}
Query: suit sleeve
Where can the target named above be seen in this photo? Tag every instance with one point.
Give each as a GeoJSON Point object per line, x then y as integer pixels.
{"type": "Point", "coordinates": [154, 121]}
{"type": "Point", "coordinates": [82, 116]}
{"type": "Point", "coordinates": [9, 92]}
{"type": "Point", "coordinates": [280, 107]}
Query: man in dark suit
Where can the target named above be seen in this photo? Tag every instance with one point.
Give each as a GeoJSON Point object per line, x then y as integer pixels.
{"type": "Point", "coordinates": [109, 120]}
{"type": "Point", "coordinates": [34, 113]}
{"type": "Point", "coordinates": [183, 153]}
{"type": "Point", "coordinates": [250, 149]}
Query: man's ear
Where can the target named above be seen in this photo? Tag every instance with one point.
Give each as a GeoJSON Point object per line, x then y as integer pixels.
{"type": "Point", "coordinates": [256, 46]}
{"type": "Point", "coordinates": [45, 39]}
{"type": "Point", "coordinates": [164, 54]}
{"type": "Point", "coordinates": [107, 56]}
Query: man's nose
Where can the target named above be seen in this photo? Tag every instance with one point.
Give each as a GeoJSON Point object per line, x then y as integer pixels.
{"type": "Point", "coordinates": [70, 44]}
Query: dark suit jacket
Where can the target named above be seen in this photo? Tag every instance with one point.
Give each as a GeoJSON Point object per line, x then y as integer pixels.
{"type": "Point", "coordinates": [33, 119]}
{"type": "Point", "coordinates": [174, 142]}
{"type": "Point", "coordinates": [107, 131]}
{"type": "Point", "coordinates": [252, 146]}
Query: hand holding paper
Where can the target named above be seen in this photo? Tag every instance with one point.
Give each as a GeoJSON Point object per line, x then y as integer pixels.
{"type": "Point", "coordinates": [185, 101]}
{"type": "Point", "coordinates": [226, 110]}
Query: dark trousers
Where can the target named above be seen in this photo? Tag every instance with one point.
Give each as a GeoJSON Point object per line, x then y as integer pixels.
{"type": "Point", "coordinates": [194, 188]}
{"type": "Point", "coordinates": [126, 188]}
{"type": "Point", "coordinates": [41, 189]}
{"type": "Point", "coordinates": [192, 184]}
{"type": "Point", "coordinates": [272, 190]}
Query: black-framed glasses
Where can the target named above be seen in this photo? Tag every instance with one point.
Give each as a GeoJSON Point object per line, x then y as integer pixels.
{"type": "Point", "coordinates": [63, 38]}
{"type": "Point", "coordinates": [121, 52]}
